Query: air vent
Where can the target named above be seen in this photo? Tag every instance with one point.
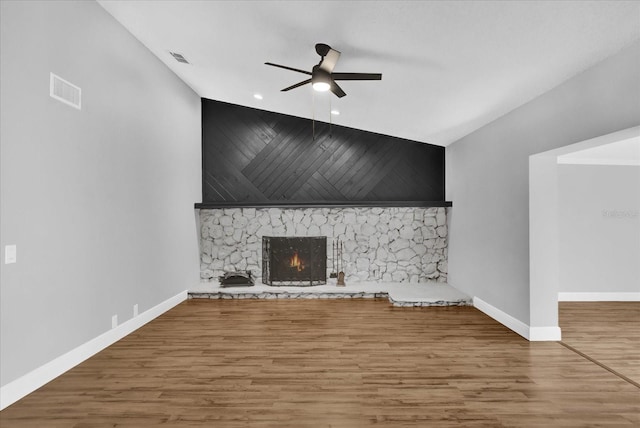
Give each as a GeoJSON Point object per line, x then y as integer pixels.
{"type": "Point", "coordinates": [65, 92]}
{"type": "Point", "coordinates": [179, 58]}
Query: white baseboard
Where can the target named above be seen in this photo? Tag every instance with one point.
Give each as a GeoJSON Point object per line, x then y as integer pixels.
{"type": "Point", "coordinates": [551, 333]}
{"type": "Point", "coordinates": [15, 390]}
{"type": "Point", "coordinates": [545, 334]}
{"type": "Point", "coordinates": [599, 297]}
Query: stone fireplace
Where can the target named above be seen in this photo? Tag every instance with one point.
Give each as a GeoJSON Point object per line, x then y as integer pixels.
{"type": "Point", "coordinates": [381, 244]}
{"type": "Point", "coordinates": [300, 261]}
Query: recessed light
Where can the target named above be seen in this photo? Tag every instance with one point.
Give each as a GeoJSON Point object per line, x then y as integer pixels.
{"type": "Point", "coordinates": [178, 57]}
{"type": "Point", "coordinates": [335, 112]}
{"type": "Point", "coordinates": [257, 96]}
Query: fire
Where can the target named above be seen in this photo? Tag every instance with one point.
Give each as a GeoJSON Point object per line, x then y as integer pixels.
{"type": "Point", "coordinates": [296, 262]}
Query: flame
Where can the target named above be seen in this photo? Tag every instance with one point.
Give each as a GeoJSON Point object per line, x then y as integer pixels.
{"type": "Point", "coordinates": [296, 262]}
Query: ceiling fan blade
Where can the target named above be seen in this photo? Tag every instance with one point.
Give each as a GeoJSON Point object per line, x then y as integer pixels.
{"type": "Point", "coordinates": [296, 85]}
{"type": "Point", "coordinates": [337, 90]}
{"type": "Point", "coordinates": [288, 68]}
{"type": "Point", "coordinates": [356, 76]}
{"type": "Point", "coordinates": [329, 60]}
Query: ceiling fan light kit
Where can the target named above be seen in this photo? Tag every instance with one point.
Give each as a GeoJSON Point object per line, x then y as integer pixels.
{"type": "Point", "coordinates": [322, 76]}
{"type": "Point", "coordinates": [320, 80]}
{"type": "Point", "coordinates": [321, 86]}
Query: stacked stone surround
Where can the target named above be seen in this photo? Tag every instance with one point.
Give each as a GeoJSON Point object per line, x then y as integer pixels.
{"type": "Point", "coordinates": [380, 244]}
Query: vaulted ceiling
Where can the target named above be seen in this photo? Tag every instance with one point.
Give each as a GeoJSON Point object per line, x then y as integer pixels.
{"type": "Point", "coordinates": [449, 67]}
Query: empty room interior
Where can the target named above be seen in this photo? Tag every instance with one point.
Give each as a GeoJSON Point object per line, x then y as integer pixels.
{"type": "Point", "coordinates": [319, 214]}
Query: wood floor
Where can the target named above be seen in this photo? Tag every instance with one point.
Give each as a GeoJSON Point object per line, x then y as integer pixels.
{"type": "Point", "coordinates": [607, 332]}
{"type": "Point", "coordinates": [348, 363]}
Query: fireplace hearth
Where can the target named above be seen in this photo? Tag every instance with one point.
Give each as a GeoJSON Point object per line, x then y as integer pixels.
{"type": "Point", "coordinates": [297, 261]}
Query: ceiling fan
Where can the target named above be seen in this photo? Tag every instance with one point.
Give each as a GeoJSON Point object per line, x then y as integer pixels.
{"type": "Point", "coordinates": [322, 76]}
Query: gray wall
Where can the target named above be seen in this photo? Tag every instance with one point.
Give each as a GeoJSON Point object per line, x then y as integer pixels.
{"type": "Point", "coordinates": [99, 202]}
{"type": "Point", "coordinates": [599, 228]}
{"type": "Point", "coordinates": [487, 176]}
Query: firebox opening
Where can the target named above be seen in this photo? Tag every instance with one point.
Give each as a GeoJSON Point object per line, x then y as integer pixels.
{"type": "Point", "coordinates": [299, 261]}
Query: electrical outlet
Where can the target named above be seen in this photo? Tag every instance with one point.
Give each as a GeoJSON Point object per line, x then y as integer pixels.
{"type": "Point", "coordinates": [114, 321]}
{"type": "Point", "coordinates": [10, 254]}
{"type": "Point", "coordinates": [135, 310]}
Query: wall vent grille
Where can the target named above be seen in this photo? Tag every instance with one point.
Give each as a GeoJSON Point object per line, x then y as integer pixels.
{"type": "Point", "coordinates": [179, 57]}
{"type": "Point", "coordinates": [65, 92]}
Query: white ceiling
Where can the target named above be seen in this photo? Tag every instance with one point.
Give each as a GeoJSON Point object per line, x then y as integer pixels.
{"type": "Point", "coordinates": [449, 67]}
{"type": "Point", "coordinates": [625, 152]}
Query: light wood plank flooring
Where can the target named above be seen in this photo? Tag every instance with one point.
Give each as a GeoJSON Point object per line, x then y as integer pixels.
{"type": "Point", "coordinates": [607, 332]}
{"type": "Point", "coordinates": [339, 363]}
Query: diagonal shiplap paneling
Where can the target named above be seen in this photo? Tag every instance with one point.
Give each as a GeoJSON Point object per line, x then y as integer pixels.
{"type": "Point", "coordinates": [255, 156]}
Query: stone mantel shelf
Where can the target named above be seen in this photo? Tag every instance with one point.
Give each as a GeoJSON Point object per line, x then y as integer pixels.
{"type": "Point", "coordinates": [324, 204]}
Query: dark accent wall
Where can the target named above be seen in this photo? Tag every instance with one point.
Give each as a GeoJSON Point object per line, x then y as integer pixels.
{"type": "Point", "coordinates": [256, 156]}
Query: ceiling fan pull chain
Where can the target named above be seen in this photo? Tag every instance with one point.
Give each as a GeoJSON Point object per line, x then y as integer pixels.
{"type": "Point", "coordinates": [330, 119]}
{"type": "Point", "coordinates": [313, 115]}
